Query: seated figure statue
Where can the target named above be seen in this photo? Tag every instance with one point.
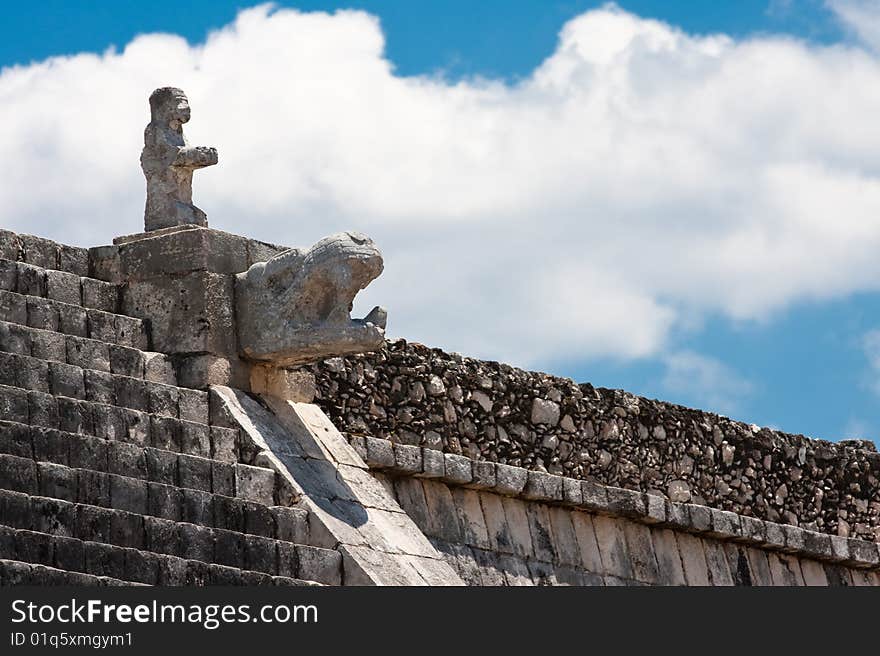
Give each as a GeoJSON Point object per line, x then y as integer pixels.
{"type": "Point", "coordinates": [168, 163]}
{"type": "Point", "coordinates": [296, 307]}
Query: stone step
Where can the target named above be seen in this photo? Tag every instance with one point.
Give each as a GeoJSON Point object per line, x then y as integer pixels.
{"type": "Point", "coordinates": [42, 410]}
{"type": "Point", "coordinates": [83, 562]}
{"type": "Point", "coordinates": [60, 317]}
{"type": "Point", "coordinates": [57, 285]}
{"type": "Point", "coordinates": [246, 513]}
{"type": "Point", "coordinates": [85, 352]}
{"type": "Point", "coordinates": [44, 253]}
{"type": "Point", "coordinates": [16, 572]}
{"type": "Point", "coordinates": [123, 529]}
{"type": "Point", "coordinates": [147, 464]}
{"type": "Point", "coordinates": [60, 379]}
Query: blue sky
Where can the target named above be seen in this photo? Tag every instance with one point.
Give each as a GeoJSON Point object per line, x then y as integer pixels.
{"type": "Point", "coordinates": [800, 364]}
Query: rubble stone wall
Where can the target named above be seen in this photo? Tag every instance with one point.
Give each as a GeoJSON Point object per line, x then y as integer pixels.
{"type": "Point", "coordinates": [415, 395]}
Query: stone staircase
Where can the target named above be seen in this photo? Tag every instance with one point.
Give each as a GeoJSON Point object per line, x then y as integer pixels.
{"type": "Point", "coordinates": [111, 473]}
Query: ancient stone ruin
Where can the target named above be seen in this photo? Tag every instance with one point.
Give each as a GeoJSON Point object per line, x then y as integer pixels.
{"type": "Point", "coordinates": [187, 406]}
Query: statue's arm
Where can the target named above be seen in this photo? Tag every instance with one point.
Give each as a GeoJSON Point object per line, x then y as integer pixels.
{"type": "Point", "coordinates": [196, 157]}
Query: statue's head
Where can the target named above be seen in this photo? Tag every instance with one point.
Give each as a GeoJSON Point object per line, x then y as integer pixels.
{"type": "Point", "coordinates": [169, 104]}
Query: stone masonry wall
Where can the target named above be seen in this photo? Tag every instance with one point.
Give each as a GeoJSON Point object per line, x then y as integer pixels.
{"type": "Point", "coordinates": [412, 394]}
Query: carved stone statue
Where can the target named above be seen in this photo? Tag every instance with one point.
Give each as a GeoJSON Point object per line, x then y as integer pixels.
{"type": "Point", "coordinates": [168, 163]}
{"type": "Point", "coordinates": [296, 307]}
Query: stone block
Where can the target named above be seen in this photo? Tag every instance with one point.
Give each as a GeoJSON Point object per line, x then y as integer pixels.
{"type": "Point", "coordinates": [158, 368]}
{"type": "Point", "coordinates": [433, 464]}
{"type": "Point", "coordinates": [15, 509]}
{"type": "Point", "coordinates": [15, 339]}
{"type": "Point", "coordinates": [100, 387]}
{"type": "Point", "coordinates": [54, 516]}
{"type": "Point", "coordinates": [73, 260]}
{"type": "Point", "coordinates": [43, 410]}
{"type": "Point", "coordinates": [470, 517]}
{"type": "Point", "coordinates": [13, 308]}
{"type": "Point", "coordinates": [510, 480]}
{"type": "Point", "coordinates": [228, 548]}
{"type": "Point", "coordinates": [180, 252]}
{"type": "Point", "coordinates": [281, 383]}
{"type": "Point", "coordinates": [132, 393]}
{"type": "Point", "coordinates": [693, 559]}
{"type": "Point", "coordinates": [255, 484]}
{"type": "Point", "coordinates": [101, 326]}
{"type": "Point", "coordinates": [594, 496]}
{"type": "Point", "coordinates": [31, 280]}
{"type": "Point", "coordinates": [229, 513]}
{"type": "Point", "coordinates": [88, 452]}
{"type": "Point", "coordinates": [196, 542]}
{"type": "Point", "coordinates": [142, 567]}
{"type": "Point", "coordinates": [725, 525]}
{"type": "Point", "coordinates": [14, 405]}
{"type": "Point", "coordinates": [194, 472]}
{"type": "Point", "coordinates": [18, 474]}
{"type": "Point", "coordinates": [163, 501]}
{"type": "Point", "coordinates": [716, 560]}
{"type": "Point", "coordinates": [64, 287]}
{"type": "Point", "coordinates": [66, 380]}
{"type": "Point", "coordinates": [565, 541]}
{"type": "Point", "coordinates": [380, 453]}
{"type": "Point", "coordinates": [161, 466]}
{"type": "Point", "coordinates": [131, 332]}
{"type": "Point", "coordinates": [69, 554]}
{"type": "Point", "coordinates": [9, 369]}
{"type": "Point", "coordinates": [666, 551]}
{"type": "Point", "coordinates": [655, 509]}
{"type": "Point", "coordinates": [16, 439]}
{"type": "Point", "coordinates": [543, 487]}
{"type": "Point", "coordinates": [517, 520]}
{"type": "Point", "coordinates": [162, 536]}
{"type": "Point", "coordinates": [165, 433]}
{"type": "Point", "coordinates": [73, 320]}
{"type": "Point", "coordinates": [571, 492]}
{"type": "Point", "coordinates": [161, 400]}
{"type": "Point", "coordinates": [126, 361]}
{"type": "Point", "coordinates": [785, 570]}
{"type": "Point", "coordinates": [292, 524]}
{"type": "Point", "coordinates": [407, 459]}
{"type": "Point", "coordinates": [127, 459]}
{"type": "Point", "coordinates": [193, 405]}
{"type": "Point", "coordinates": [196, 507]}
{"type": "Point", "coordinates": [129, 494]}
{"type": "Point", "coordinates": [191, 313]}
{"type": "Point", "coordinates": [57, 481]}
{"type": "Point", "coordinates": [35, 375]}
{"type": "Point", "coordinates": [458, 469]}
{"type": "Point", "coordinates": [50, 445]}
{"type": "Point", "coordinates": [320, 565]}
{"type": "Point", "coordinates": [202, 371]}
{"type": "Point", "coordinates": [49, 346]}
{"type": "Point", "coordinates": [625, 503]}
{"type": "Point", "coordinates": [814, 573]}
{"type": "Point", "coordinates": [738, 561]}
{"type": "Point", "coordinates": [38, 251]}
{"type": "Point", "coordinates": [260, 554]}
{"type": "Point", "coordinates": [442, 517]}
{"type": "Point", "coordinates": [34, 547]}
{"type": "Point", "coordinates": [864, 553]}
{"type": "Point", "coordinates": [93, 487]}
{"type": "Point", "coordinates": [10, 246]}
{"type": "Point", "coordinates": [8, 274]}
{"type": "Point", "coordinates": [100, 295]}
{"type": "Point", "coordinates": [223, 444]}
{"type": "Point", "coordinates": [542, 535]}
{"type": "Point", "coordinates": [127, 529]}
{"type": "Point", "coordinates": [93, 523]}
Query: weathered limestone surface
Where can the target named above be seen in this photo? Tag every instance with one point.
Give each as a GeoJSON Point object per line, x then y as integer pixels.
{"type": "Point", "coordinates": [418, 396]}
{"type": "Point", "coordinates": [296, 307]}
{"type": "Point", "coordinates": [527, 539]}
{"type": "Point", "coordinates": [348, 506]}
{"type": "Point", "coordinates": [168, 163]}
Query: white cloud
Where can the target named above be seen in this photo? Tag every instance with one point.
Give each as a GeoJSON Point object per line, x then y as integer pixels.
{"type": "Point", "coordinates": [861, 17]}
{"type": "Point", "coordinates": [709, 382]}
{"type": "Point", "coordinates": [640, 177]}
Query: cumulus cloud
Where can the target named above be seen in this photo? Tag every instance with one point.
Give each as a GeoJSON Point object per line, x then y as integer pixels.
{"type": "Point", "coordinates": [637, 181]}
{"type": "Point", "coordinates": [862, 17]}
{"type": "Point", "coordinates": [713, 384]}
